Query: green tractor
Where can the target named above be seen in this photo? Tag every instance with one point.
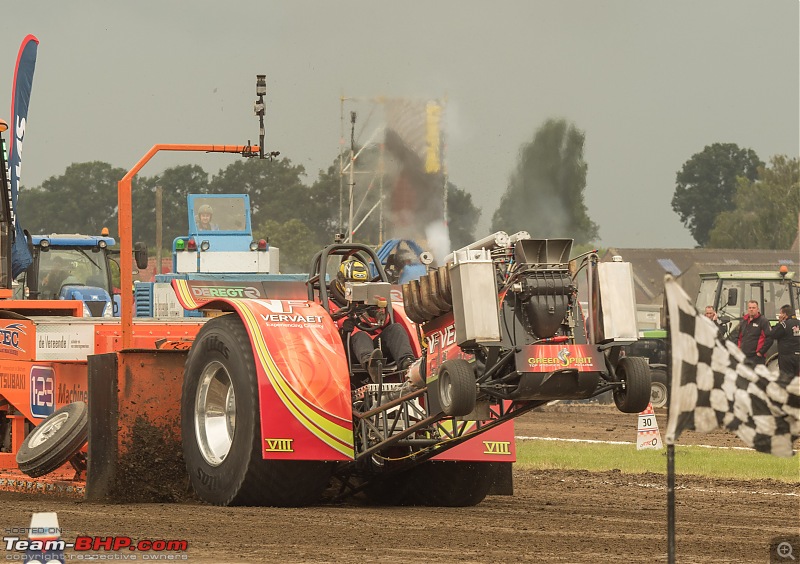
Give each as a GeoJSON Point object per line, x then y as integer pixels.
{"type": "Point", "coordinates": [728, 293]}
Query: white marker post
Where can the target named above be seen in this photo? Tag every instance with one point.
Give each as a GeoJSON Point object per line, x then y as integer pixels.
{"type": "Point", "coordinates": [45, 532]}
{"type": "Point", "coordinates": [647, 435]}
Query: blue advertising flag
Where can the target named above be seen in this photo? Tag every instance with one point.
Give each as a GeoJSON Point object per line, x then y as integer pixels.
{"type": "Point", "coordinates": [20, 98]}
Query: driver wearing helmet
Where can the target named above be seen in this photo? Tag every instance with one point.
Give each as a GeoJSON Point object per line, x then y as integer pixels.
{"type": "Point", "coordinates": [369, 327]}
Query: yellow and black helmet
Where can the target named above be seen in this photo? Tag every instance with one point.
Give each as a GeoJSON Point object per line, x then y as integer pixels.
{"type": "Point", "coordinates": [351, 270]}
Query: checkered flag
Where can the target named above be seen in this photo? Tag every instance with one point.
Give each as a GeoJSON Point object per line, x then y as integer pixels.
{"type": "Point", "coordinates": [712, 387]}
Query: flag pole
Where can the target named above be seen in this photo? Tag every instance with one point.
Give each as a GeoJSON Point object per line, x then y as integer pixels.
{"type": "Point", "coordinates": [670, 446]}
{"type": "Point", "coordinates": [671, 503]}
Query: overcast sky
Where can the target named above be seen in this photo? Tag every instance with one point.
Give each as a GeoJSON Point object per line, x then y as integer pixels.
{"type": "Point", "coordinates": [650, 83]}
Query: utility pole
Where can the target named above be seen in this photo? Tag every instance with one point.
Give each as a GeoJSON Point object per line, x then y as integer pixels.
{"type": "Point", "coordinates": [159, 226]}
{"type": "Point", "coordinates": [340, 225]}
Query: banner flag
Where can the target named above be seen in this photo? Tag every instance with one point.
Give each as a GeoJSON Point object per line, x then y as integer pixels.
{"type": "Point", "coordinates": [20, 99]}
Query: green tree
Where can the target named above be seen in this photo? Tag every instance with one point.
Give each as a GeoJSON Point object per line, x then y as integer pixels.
{"type": "Point", "coordinates": [766, 212]}
{"type": "Point", "coordinates": [294, 240]}
{"type": "Point", "coordinates": [176, 183]}
{"type": "Point", "coordinates": [545, 192]}
{"type": "Point", "coordinates": [275, 188]}
{"type": "Point", "coordinates": [82, 200]}
{"type": "Point", "coordinates": [462, 216]}
{"type": "Point", "coordinates": [323, 212]}
{"type": "Point", "coordinates": [706, 185]}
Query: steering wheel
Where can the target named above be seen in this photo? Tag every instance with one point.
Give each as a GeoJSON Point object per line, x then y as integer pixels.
{"type": "Point", "coordinates": [361, 314]}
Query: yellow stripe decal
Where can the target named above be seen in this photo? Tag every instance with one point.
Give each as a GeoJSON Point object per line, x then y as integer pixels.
{"type": "Point", "coordinates": [336, 436]}
{"type": "Point", "coordinates": [184, 295]}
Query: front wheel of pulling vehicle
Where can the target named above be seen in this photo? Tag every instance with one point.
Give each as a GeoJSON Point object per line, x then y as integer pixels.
{"type": "Point", "coordinates": [221, 427]}
{"type": "Point", "coordinates": [457, 391]}
{"type": "Point", "coordinates": [634, 395]}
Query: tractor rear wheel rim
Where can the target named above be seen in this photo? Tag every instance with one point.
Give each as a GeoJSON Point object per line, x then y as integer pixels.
{"type": "Point", "coordinates": [48, 429]}
{"type": "Point", "coordinates": [215, 413]}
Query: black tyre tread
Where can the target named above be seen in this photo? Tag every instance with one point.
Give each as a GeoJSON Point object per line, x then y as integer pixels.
{"type": "Point", "coordinates": [396, 489]}
{"type": "Point", "coordinates": [260, 482]}
{"type": "Point", "coordinates": [635, 372]}
{"type": "Point", "coordinates": [659, 376]}
{"type": "Point", "coordinates": [462, 382]}
{"type": "Point", "coordinates": [452, 484]}
{"type": "Point", "coordinates": [59, 448]}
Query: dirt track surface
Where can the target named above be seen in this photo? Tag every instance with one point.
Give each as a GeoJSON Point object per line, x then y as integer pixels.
{"type": "Point", "coordinates": [554, 516]}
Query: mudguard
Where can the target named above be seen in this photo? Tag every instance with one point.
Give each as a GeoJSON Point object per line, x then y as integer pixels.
{"type": "Point", "coordinates": [303, 377]}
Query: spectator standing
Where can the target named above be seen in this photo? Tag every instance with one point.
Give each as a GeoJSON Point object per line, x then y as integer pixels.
{"type": "Point", "coordinates": [712, 315]}
{"type": "Point", "coordinates": [754, 337]}
{"type": "Point", "coordinates": [787, 334]}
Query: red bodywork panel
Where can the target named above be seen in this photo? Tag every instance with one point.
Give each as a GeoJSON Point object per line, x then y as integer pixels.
{"type": "Point", "coordinates": [304, 380]}
{"type": "Point", "coordinates": [547, 358]}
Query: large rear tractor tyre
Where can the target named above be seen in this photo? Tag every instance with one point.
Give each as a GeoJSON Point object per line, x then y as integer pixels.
{"type": "Point", "coordinates": [452, 484]}
{"type": "Point", "coordinates": [457, 390]}
{"type": "Point", "coordinates": [55, 440]}
{"type": "Point", "coordinates": [634, 396]}
{"type": "Point", "coordinates": [659, 396]}
{"type": "Point", "coordinates": [221, 427]}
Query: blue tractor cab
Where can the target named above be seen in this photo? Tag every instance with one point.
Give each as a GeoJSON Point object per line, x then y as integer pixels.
{"type": "Point", "coordinates": [219, 251]}
{"type": "Point", "coordinates": [220, 240]}
{"type": "Point", "coordinates": [400, 259]}
{"type": "Point", "coordinates": [71, 267]}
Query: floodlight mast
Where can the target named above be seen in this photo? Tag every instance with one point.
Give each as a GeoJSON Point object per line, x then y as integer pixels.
{"type": "Point", "coordinates": [260, 110]}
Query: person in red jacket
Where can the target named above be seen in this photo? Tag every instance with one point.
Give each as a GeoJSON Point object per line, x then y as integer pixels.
{"type": "Point", "coordinates": [755, 335]}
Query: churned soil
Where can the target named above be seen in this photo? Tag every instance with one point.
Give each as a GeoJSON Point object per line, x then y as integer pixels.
{"type": "Point", "coordinates": [553, 516]}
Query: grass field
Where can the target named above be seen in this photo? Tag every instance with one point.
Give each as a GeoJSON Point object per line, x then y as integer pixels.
{"type": "Point", "coordinates": [712, 462]}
